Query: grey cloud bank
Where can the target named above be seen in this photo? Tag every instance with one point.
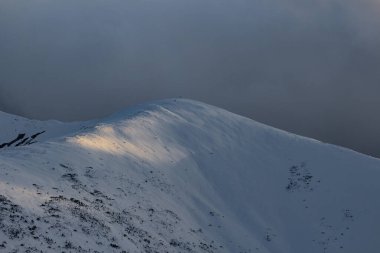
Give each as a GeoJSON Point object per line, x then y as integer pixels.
{"type": "Point", "coordinates": [310, 67]}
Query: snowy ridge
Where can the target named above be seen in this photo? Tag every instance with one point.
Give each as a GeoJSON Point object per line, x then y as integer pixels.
{"type": "Point", "coordinates": [181, 176]}
{"type": "Point", "coordinates": [18, 131]}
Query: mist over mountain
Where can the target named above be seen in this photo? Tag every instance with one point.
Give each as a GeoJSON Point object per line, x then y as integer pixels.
{"type": "Point", "coordinates": [309, 67]}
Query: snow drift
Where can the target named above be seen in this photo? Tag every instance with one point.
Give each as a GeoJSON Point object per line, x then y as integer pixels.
{"type": "Point", "coordinates": [181, 176]}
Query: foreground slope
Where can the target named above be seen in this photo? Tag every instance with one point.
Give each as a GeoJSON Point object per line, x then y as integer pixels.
{"type": "Point", "coordinates": [181, 176]}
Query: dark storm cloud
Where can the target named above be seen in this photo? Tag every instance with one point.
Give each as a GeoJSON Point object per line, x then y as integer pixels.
{"type": "Point", "coordinates": [308, 66]}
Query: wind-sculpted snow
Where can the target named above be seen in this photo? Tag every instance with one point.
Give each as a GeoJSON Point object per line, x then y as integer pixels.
{"type": "Point", "coordinates": [181, 176]}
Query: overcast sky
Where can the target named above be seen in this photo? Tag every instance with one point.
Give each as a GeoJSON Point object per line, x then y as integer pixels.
{"type": "Point", "coordinates": [307, 66]}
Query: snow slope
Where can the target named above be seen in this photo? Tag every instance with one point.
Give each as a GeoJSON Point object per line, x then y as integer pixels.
{"type": "Point", "coordinates": [182, 176]}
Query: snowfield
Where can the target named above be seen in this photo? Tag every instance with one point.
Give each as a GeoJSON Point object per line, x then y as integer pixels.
{"type": "Point", "coordinates": [181, 176]}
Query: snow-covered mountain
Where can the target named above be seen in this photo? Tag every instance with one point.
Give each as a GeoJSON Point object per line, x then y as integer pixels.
{"type": "Point", "coordinates": [181, 176]}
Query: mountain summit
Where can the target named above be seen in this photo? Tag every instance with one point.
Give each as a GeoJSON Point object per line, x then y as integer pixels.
{"type": "Point", "coordinates": [181, 176]}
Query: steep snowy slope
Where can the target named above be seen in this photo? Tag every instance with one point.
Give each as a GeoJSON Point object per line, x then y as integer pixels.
{"type": "Point", "coordinates": [182, 176]}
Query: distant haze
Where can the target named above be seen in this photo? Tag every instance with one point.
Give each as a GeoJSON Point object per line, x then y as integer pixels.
{"type": "Point", "coordinates": [307, 66]}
